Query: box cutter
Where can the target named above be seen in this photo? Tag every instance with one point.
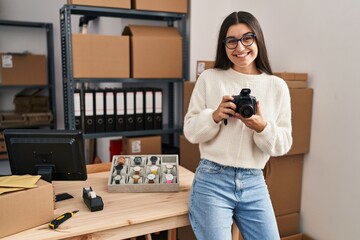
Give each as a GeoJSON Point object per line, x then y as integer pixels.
{"type": "Point", "coordinates": [54, 224]}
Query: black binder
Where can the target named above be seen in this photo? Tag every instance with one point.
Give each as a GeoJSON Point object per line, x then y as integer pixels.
{"type": "Point", "coordinates": [158, 111]}
{"type": "Point", "coordinates": [99, 110]}
{"type": "Point", "coordinates": [119, 110]}
{"type": "Point", "coordinates": [130, 109]}
{"type": "Point", "coordinates": [139, 109]}
{"type": "Point", "coordinates": [77, 109]}
{"type": "Point", "coordinates": [89, 111]}
{"type": "Point", "coordinates": [149, 108]}
{"type": "Point", "coordinates": [109, 110]}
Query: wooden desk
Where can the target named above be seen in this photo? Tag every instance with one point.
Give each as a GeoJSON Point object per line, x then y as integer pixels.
{"type": "Point", "coordinates": [125, 215]}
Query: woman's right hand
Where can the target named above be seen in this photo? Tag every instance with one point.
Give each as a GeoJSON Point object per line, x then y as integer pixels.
{"type": "Point", "coordinates": [225, 109]}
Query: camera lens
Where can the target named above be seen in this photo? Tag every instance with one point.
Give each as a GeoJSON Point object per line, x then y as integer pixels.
{"type": "Point", "coordinates": [246, 111]}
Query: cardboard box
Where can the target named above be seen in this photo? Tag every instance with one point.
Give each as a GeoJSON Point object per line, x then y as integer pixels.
{"type": "Point", "coordinates": [23, 69]}
{"type": "Point", "coordinates": [301, 76]}
{"type": "Point", "coordinates": [26, 209]}
{"type": "Point", "coordinates": [283, 176]}
{"type": "Point", "coordinates": [100, 56]}
{"type": "Point", "coordinates": [301, 107]}
{"type": "Point", "coordinates": [2, 146]}
{"type": "Point", "coordinates": [188, 88]}
{"type": "Point", "coordinates": [287, 76]}
{"type": "Point", "coordinates": [156, 52]}
{"type": "Point", "coordinates": [202, 66]}
{"type": "Point", "coordinates": [179, 6]}
{"type": "Point", "coordinates": [288, 224]}
{"type": "Point", "coordinates": [299, 236]}
{"type": "Point", "coordinates": [296, 84]}
{"type": "Point", "coordinates": [189, 154]}
{"type": "Point", "coordinates": [141, 145]}
{"type": "Point", "coordinates": [31, 101]}
{"type": "Point", "coordinates": [11, 120]}
{"type": "Point", "coordinates": [16, 120]}
{"type": "Point", "coordinates": [103, 3]}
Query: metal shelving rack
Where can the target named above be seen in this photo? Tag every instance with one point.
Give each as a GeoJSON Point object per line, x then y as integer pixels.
{"type": "Point", "coordinates": [48, 28]}
{"type": "Point", "coordinates": [175, 86]}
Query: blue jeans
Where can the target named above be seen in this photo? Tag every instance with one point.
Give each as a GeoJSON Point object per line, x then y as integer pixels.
{"type": "Point", "coordinates": [222, 194]}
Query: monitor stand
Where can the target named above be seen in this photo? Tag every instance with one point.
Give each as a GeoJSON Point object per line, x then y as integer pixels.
{"type": "Point", "coordinates": [46, 171]}
{"type": "Point", "coordinates": [62, 196]}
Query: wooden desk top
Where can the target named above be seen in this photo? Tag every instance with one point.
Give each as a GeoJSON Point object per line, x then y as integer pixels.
{"type": "Point", "coordinates": [124, 215]}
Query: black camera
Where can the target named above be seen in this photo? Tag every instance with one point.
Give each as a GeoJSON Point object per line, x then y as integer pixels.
{"type": "Point", "coordinates": [245, 103]}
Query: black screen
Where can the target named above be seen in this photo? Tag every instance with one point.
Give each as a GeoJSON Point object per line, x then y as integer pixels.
{"type": "Point", "coordinates": [58, 153]}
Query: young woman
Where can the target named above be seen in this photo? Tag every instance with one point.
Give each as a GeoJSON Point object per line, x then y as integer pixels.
{"type": "Point", "coordinates": [229, 184]}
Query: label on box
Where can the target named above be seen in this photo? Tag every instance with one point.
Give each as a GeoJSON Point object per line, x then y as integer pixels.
{"type": "Point", "coordinates": [7, 61]}
{"type": "Point", "coordinates": [201, 67]}
{"type": "Point", "coordinates": [136, 146]}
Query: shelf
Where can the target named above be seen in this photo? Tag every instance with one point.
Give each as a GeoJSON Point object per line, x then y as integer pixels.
{"type": "Point", "coordinates": [34, 126]}
{"type": "Point", "coordinates": [24, 24]}
{"type": "Point", "coordinates": [174, 88]}
{"type": "Point", "coordinates": [122, 13]}
{"type": "Point", "coordinates": [128, 80]}
{"type": "Point", "coordinates": [49, 35]}
{"type": "Point", "coordinates": [24, 86]}
{"type": "Point", "coordinates": [165, 130]}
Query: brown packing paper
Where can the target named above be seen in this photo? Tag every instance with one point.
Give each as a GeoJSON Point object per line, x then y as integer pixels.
{"type": "Point", "coordinates": [16, 183]}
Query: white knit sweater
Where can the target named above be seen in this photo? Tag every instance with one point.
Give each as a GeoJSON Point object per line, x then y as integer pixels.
{"type": "Point", "coordinates": [235, 144]}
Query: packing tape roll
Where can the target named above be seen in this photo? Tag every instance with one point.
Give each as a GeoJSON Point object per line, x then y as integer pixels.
{"type": "Point", "coordinates": [92, 194]}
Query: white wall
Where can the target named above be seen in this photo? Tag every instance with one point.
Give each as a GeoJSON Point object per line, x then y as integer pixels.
{"type": "Point", "coordinates": [319, 37]}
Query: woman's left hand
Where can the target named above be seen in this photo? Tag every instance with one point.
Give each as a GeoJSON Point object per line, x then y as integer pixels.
{"type": "Point", "coordinates": [256, 121]}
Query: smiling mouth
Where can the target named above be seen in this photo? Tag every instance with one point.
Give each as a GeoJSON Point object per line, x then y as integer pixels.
{"type": "Point", "coordinates": [242, 55]}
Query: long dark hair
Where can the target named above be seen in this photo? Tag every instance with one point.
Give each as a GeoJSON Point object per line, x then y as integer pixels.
{"type": "Point", "coordinates": [261, 61]}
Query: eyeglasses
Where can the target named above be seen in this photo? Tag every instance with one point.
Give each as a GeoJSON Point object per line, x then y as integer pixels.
{"type": "Point", "coordinates": [247, 40]}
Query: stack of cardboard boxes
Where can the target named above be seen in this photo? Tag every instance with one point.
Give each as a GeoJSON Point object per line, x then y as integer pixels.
{"type": "Point", "coordinates": [25, 69]}
{"type": "Point", "coordinates": [155, 52]}
{"type": "Point", "coordinates": [141, 51]}
{"type": "Point", "coordinates": [283, 174]}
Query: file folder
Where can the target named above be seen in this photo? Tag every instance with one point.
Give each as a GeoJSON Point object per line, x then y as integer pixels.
{"type": "Point", "coordinates": [77, 109]}
{"type": "Point", "coordinates": [109, 110]}
{"type": "Point", "coordinates": [99, 110]}
{"type": "Point", "coordinates": [158, 114]}
{"type": "Point", "coordinates": [149, 109]}
{"type": "Point", "coordinates": [89, 111]}
{"type": "Point", "coordinates": [119, 110]}
{"type": "Point", "coordinates": [139, 109]}
{"type": "Point", "coordinates": [130, 110]}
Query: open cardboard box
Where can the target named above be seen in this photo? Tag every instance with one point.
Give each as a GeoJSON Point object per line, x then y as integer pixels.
{"type": "Point", "coordinates": [156, 52]}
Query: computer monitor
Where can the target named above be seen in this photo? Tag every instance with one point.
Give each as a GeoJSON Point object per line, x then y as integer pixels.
{"type": "Point", "coordinates": [53, 154]}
